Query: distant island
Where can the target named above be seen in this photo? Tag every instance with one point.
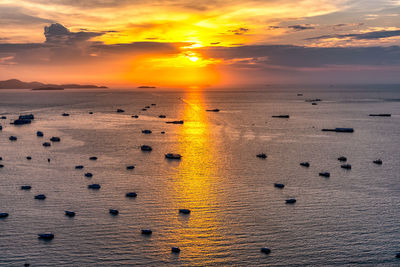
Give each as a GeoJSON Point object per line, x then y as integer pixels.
{"type": "Point", "coordinates": [17, 84]}
{"type": "Point", "coordinates": [145, 86]}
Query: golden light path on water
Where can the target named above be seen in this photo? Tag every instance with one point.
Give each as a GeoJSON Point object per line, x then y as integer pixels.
{"type": "Point", "coordinates": [195, 182]}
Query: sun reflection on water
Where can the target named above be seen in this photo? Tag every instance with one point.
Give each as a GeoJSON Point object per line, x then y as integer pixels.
{"type": "Point", "coordinates": [195, 182]}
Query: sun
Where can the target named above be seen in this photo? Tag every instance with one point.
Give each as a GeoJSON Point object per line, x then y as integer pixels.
{"type": "Point", "coordinates": [194, 59]}
{"type": "Point", "coordinates": [192, 56]}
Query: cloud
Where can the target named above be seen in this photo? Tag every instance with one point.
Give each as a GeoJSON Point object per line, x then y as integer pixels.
{"type": "Point", "coordinates": [19, 16]}
{"type": "Point", "coordinates": [57, 33]}
{"type": "Point", "coordinates": [239, 31]}
{"type": "Point", "coordinates": [360, 36]}
{"type": "Point", "coordinates": [301, 27]}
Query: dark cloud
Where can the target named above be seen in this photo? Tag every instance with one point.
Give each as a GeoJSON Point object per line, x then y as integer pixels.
{"type": "Point", "coordinates": [239, 31]}
{"type": "Point", "coordinates": [12, 15]}
{"type": "Point", "coordinates": [360, 36]}
{"type": "Point", "coordinates": [312, 57]}
{"type": "Point", "coordinates": [58, 34]}
{"type": "Point", "coordinates": [301, 27]}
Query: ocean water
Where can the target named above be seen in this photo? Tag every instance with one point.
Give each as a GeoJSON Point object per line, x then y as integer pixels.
{"type": "Point", "coordinates": [351, 218]}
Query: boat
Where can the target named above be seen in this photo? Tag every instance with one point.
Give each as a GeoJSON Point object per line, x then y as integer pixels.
{"type": "Point", "coordinates": [173, 156]}
{"type": "Point", "coordinates": [13, 138]}
{"type": "Point", "coordinates": [313, 100]}
{"type": "Point", "coordinates": [146, 148]}
{"type": "Point", "coordinates": [279, 185]}
{"type": "Point", "coordinates": [342, 158]}
{"type": "Point", "coordinates": [88, 175]}
{"type": "Point", "coordinates": [147, 107]}
{"type": "Point", "coordinates": [28, 157]}
{"type": "Point", "coordinates": [130, 167]}
{"type": "Point", "coordinates": [26, 187]}
{"type": "Point", "coordinates": [153, 104]}
{"type": "Point", "coordinates": [146, 131]}
{"type": "Point", "coordinates": [55, 139]}
{"type": "Point", "coordinates": [146, 232]}
{"type": "Point", "coordinates": [299, 94]}
{"type": "Point", "coordinates": [113, 212]}
{"type": "Point", "coordinates": [3, 215]}
{"type": "Point", "coordinates": [120, 110]}
{"type": "Point", "coordinates": [39, 134]}
{"type": "Point", "coordinates": [265, 250]}
{"type": "Point", "coordinates": [46, 236]}
{"type": "Point", "coordinates": [339, 130]}
{"type": "Point", "coordinates": [325, 174]}
{"type": "Point", "coordinates": [398, 255]}
{"type": "Point", "coordinates": [90, 112]}
{"type": "Point", "coordinates": [314, 104]}
{"type": "Point", "coordinates": [174, 122]}
{"type": "Point", "coordinates": [3, 117]}
{"type": "Point", "coordinates": [380, 115]}
{"type": "Point", "coordinates": [21, 121]}
{"type": "Point", "coordinates": [162, 116]}
{"type": "Point", "coordinates": [27, 117]}
{"type": "Point", "coordinates": [93, 158]}
{"type": "Point", "coordinates": [184, 211]}
{"type": "Point", "coordinates": [1, 166]}
{"type": "Point", "coordinates": [290, 201]}
{"type": "Point", "coordinates": [79, 167]}
{"type": "Point", "coordinates": [261, 155]}
{"type": "Point", "coordinates": [212, 110]}
{"type": "Point", "coordinates": [94, 186]}
{"type": "Point", "coordinates": [131, 194]}
{"type": "Point", "coordinates": [40, 197]}
{"type": "Point", "coordinates": [378, 161]}
{"type": "Point", "coordinates": [305, 164]}
{"type": "Point", "coordinates": [144, 109]}
{"type": "Point", "coordinates": [281, 116]}
{"type": "Point", "coordinates": [175, 249]}
{"type": "Point", "coordinates": [46, 144]}
{"type": "Point", "coordinates": [69, 213]}
{"type": "Point", "coordinates": [346, 166]}
{"type": "Point", "coordinates": [65, 114]}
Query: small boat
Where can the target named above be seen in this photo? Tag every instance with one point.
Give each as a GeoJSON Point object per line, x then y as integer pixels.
{"type": "Point", "coordinates": [314, 104]}
{"type": "Point", "coordinates": [93, 158]}
{"type": "Point", "coordinates": [46, 236]}
{"type": "Point", "coordinates": [173, 156]}
{"type": "Point", "coordinates": [146, 232]}
{"type": "Point", "coordinates": [79, 167]}
{"type": "Point", "coordinates": [290, 201]}
{"type": "Point", "coordinates": [130, 167]}
{"type": "Point", "coordinates": [147, 107]}
{"type": "Point", "coordinates": [325, 174]}
{"type": "Point", "coordinates": [135, 116]}
{"type": "Point", "coordinates": [305, 164]}
{"type": "Point", "coordinates": [279, 185]}
{"type": "Point", "coordinates": [184, 211]}
{"type": "Point", "coordinates": [90, 112]}
{"type": "Point", "coordinates": [381, 115]}
{"type": "Point", "coordinates": [212, 110]}
{"type": "Point", "coordinates": [339, 130]}
{"type": "Point", "coordinates": [265, 250]}
{"type": "Point", "coordinates": [39, 134]}
{"type": "Point", "coordinates": [3, 215]}
{"type": "Point", "coordinates": [1, 166]}
{"type": "Point", "coordinates": [378, 161]}
{"type": "Point", "coordinates": [175, 249]}
{"type": "Point", "coordinates": [146, 131]}
{"type": "Point", "coordinates": [28, 157]}
{"type": "Point", "coordinates": [146, 148]}
{"type": "Point", "coordinates": [3, 117]}
{"type": "Point", "coordinates": [299, 94]}
{"type": "Point", "coordinates": [1, 127]}
{"type": "Point", "coordinates": [174, 122]}
{"type": "Point", "coordinates": [113, 212]}
{"type": "Point", "coordinates": [398, 255]}
{"type": "Point", "coordinates": [261, 155]}
{"type": "Point", "coordinates": [13, 138]}
{"type": "Point", "coordinates": [281, 116]}
{"type": "Point", "coordinates": [153, 104]}
{"type": "Point", "coordinates": [46, 144]}
{"type": "Point", "coordinates": [131, 194]}
{"type": "Point", "coordinates": [162, 132]}
{"type": "Point", "coordinates": [342, 158]}
{"type": "Point", "coordinates": [120, 110]}
{"type": "Point", "coordinates": [55, 139]}
{"type": "Point", "coordinates": [313, 100]}
{"type": "Point", "coordinates": [144, 109]}
{"type": "Point", "coordinates": [94, 186]}
{"type": "Point", "coordinates": [69, 213]}
{"type": "Point", "coordinates": [88, 175]}
{"type": "Point", "coordinates": [40, 197]}
{"type": "Point", "coordinates": [27, 117]}
{"type": "Point", "coordinates": [1, 158]}
{"type": "Point", "coordinates": [162, 116]}
{"type": "Point", "coordinates": [21, 121]}
{"type": "Point", "coordinates": [26, 187]}
{"type": "Point", "coordinates": [65, 114]}
{"type": "Point", "coordinates": [346, 166]}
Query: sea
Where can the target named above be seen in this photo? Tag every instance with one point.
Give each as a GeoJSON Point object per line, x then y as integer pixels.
{"type": "Point", "coordinates": [351, 218]}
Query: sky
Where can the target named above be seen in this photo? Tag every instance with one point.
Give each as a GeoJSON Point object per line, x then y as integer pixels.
{"type": "Point", "coordinates": [180, 43]}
